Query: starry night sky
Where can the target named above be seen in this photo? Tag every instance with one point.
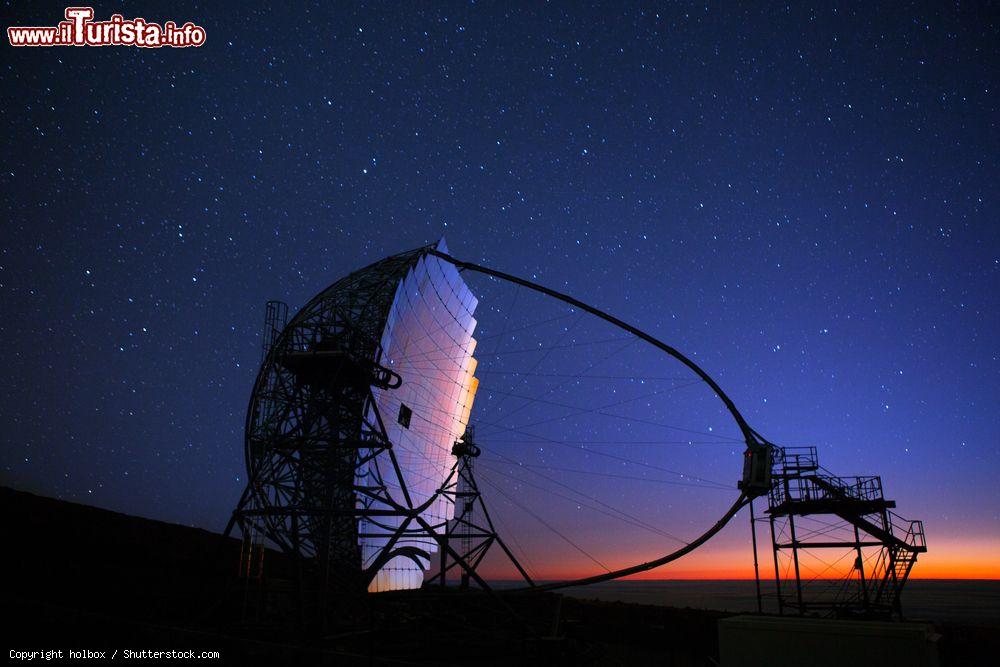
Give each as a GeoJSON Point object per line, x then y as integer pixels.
{"type": "Point", "coordinates": [803, 199]}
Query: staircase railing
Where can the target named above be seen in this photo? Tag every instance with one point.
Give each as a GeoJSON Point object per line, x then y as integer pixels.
{"type": "Point", "coordinates": [791, 461]}
{"type": "Point", "coordinates": [909, 531]}
{"type": "Point", "coordinates": [894, 563]}
{"type": "Point", "coordinates": [806, 488]}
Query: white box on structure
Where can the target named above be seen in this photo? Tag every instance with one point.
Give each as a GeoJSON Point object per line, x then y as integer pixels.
{"type": "Point", "coordinates": [773, 641]}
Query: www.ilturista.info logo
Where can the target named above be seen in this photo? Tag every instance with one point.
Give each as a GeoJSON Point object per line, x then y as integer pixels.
{"type": "Point", "coordinates": [79, 29]}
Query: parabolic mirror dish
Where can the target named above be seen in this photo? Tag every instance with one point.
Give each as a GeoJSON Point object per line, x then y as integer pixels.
{"type": "Point", "coordinates": [357, 406]}
{"type": "Point", "coordinates": [428, 341]}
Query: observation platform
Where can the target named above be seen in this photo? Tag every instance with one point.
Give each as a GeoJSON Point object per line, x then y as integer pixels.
{"type": "Point", "coordinates": [853, 514]}
{"type": "Point", "coordinates": [332, 365]}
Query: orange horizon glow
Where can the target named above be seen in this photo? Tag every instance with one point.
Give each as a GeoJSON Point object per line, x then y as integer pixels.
{"type": "Point", "coordinates": [946, 559]}
{"type": "Point", "coordinates": [968, 574]}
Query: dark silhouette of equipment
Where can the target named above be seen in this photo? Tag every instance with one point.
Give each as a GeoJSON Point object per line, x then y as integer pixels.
{"type": "Point", "coordinates": [811, 511]}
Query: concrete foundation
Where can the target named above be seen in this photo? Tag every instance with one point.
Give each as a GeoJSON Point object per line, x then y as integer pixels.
{"type": "Point", "coordinates": [771, 641]}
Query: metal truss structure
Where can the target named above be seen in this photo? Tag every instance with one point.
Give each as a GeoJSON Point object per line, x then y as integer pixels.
{"type": "Point", "coordinates": [310, 427]}
{"type": "Point", "coordinates": [471, 533]}
{"type": "Point", "coordinates": [810, 512]}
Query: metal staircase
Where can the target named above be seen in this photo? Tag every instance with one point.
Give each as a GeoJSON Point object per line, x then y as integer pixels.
{"type": "Point", "coordinates": [894, 563]}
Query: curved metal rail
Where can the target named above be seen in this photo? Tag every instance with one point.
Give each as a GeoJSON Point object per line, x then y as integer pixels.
{"type": "Point", "coordinates": [754, 441]}
{"type": "Point", "coordinates": [649, 565]}
{"type": "Point", "coordinates": [748, 433]}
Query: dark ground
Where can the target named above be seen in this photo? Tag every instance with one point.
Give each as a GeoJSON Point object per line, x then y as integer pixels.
{"type": "Point", "coordinates": [85, 578]}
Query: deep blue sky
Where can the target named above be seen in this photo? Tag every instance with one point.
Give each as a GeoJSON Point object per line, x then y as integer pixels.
{"type": "Point", "coordinates": [802, 198]}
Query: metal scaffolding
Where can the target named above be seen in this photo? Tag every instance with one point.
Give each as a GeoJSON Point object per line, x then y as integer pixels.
{"type": "Point", "coordinates": [812, 514]}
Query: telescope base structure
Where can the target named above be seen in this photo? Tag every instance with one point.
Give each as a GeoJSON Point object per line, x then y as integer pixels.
{"type": "Point", "coordinates": [304, 498]}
